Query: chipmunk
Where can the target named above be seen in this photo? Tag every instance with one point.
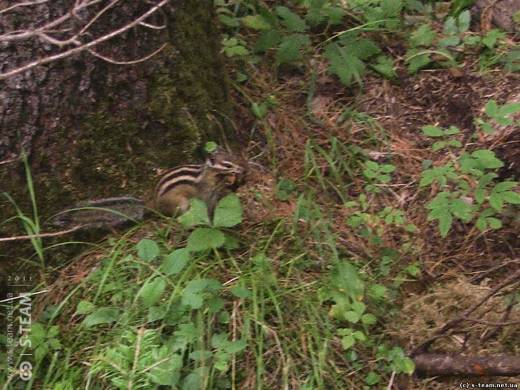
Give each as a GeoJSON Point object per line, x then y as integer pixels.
{"type": "Point", "coordinates": [209, 182]}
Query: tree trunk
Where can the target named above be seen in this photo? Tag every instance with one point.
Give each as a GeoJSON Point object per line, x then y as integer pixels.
{"type": "Point", "coordinates": [94, 129]}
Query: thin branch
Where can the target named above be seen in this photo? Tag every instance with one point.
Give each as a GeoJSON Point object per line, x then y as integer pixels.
{"type": "Point", "coordinates": [42, 235]}
{"type": "Point", "coordinates": [27, 3]}
{"type": "Point", "coordinates": [107, 59]}
{"type": "Point", "coordinates": [78, 49]}
{"type": "Point", "coordinates": [25, 34]}
{"type": "Point", "coordinates": [152, 26]}
{"type": "Point", "coordinates": [490, 323]}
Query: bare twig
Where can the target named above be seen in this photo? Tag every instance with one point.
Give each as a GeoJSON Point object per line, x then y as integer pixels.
{"type": "Point", "coordinates": [42, 235]}
{"type": "Point", "coordinates": [86, 46]}
{"type": "Point", "coordinates": [95, 54]}
{"type": "Point", "coordinates": [25, 4]}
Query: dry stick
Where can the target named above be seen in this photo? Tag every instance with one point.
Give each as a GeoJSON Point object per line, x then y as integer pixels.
{"type": "Point", "coordinates": [95, 54]}
{"type": "Point", "coordinates": [78, 49]}
{"type": "Point", "coordinates": [440, 332]}
{"type": "Point", "coordinates": [42, 235]}
{"type": "Point", "coordinates": [24, 34]}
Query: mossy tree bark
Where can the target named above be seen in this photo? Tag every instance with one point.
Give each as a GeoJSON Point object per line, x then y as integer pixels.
{"type": "Point", "coordinates": [92, 128]}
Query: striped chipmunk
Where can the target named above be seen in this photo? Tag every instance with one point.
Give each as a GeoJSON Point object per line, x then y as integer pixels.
{"type": "Point", "coordinates": [219, 175]}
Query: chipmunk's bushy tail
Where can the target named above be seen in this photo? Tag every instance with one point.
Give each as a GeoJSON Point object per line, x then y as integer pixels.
{"type": "Point", "coordinates": [102, 213]}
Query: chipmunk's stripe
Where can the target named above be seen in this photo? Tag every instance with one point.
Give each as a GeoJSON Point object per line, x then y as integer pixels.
{"type": "Point", "coordinates": [178, 180]}
{"type": "Point", "coordinates": [188, 170]}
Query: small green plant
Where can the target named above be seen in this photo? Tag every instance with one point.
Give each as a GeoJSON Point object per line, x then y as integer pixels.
{"type": "Point", "coordinates": [377, 174]}
{"type": "Point", "coordinates": [498, 115]}
{"type": "Point", "coordinates": [351, 295]}
{"type": "Point", "coordinates": [443, 135]}
{"type": "Point", "coordinates": [469, 191]}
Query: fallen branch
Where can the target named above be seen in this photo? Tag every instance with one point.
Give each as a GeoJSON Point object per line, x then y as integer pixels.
{"type": "Point", "coordinates": [434, 364]}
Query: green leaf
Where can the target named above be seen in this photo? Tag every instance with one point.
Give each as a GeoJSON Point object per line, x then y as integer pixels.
{"type": "Point", "coordinates": [438, 145]}
{"type": "Point", "coordinates": [290, 48]}
{"type": "Point", "coordinates": [377, 291]}
{"type": "Point", "coordinates": [368, 319]}
{"type": "Point", "coordinates": [292, 21]}
{"type": "Point", "coordinates": [492, 36]}
{"type": "Point", "coordinates": [491, 108]}
{"type": "Point", "coordinates": [196, 215]}
{"type": "Point", "coordinates": [464, 20]}
{"type": "Point", "coordinates": [344, 64]}
{"type": "Point", "coordinates": [151, 292]}
{"type": "Point", "coordinates": [103, 315]}
{"type": "Point", "coordinates": [256, 22]}
{"type": "Point", "coordinates": [496, 201]}
{"type": "Point", "coordinates": [385, 67]}
{"type": "Point", "coordinates": [423, 36]}
{"type": "Point", "coordinates": [417, 62]}
{"type": "Point", "coordinates": [202, 239]}
{"type": "Point", "coordinates": [147, 249]}
{"type": "Point", "coordinates": [347, 342]}
{"type": "Point", "coordinates": [505, 186]}
{"type": "Point", "coordinates": [175, 261]}
{"type": "Point", "coordinates": [372, 378]}
{"type": "Point", "coordinates": [267, 40]}
{"type": "Point", "coordinates": [84, 307]}
{"type": "Point", "coordinates": [508, 109]}
{"type": "Point", "coordinates": [452, 130]}
{"type": "Point", "coordinates": [391, 8]}
{"type": "Point", "coordinates": [487, 159]}
{"type": "Point", "coordinates": [433, 131]}
{"type": "Point", "coordinates": [352, 316]}
{"type": "Point", "coordinates": [445, 221]}
{"type": "Point", "coordinates": [240, 292]}
{"type": "Point", "coordinates": [511, 197]}
{"type": "Point", "coordinates": [228, 212]}
{"type": "Point", "coordinates": [494, 223]}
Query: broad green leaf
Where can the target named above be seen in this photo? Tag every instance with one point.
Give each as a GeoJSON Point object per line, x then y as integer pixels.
{"type": "Point", "coordinates": [175, 261]}
{"type": "Point", "coordinates": [445, 222]}
{"type": "Point", "coordinates": [103, 315]}
{"type": "Point", "coordinates": [511, 197]}
{"type": "Point", "coordinates": [492, 36]}
{"type": "Point", "coordinates": [256, 22]}
{"type": "Point", "coordinates": [151, 292]}
{"type": "Point", "coordinates": [496, 201]}
{"type": "Point", "coordinates": [391, 8]}
{"type": "Point", "coordinates": [385, 67]}
{"type": "Point", "coordinates": [463, 21]}
{"type": "Point", "coordinates": [292, 21]}
{"type": "Point", "coordinates": [505, 186]}
{"type": "Point", "coordinates": [202, 239]}
{"type": "Point", "coordinates": [290, 48]}
{"type": "Point", "coordinates": [508, 109]}
{"type": "Point", "coordinates": [147, 249]}
{"type": "Point", "coordinates": [196, 215]}
{"type": "Point", "coordinates": [84, 307]}
{"type": "Point", "coordinates": [491, 108]}
{"type": "Point", "coordinates": [494, 223]}
{"type": "Point", "coordinates": [487, 159]}
{"type": "Point", "coordinates": [377, 291]}
{"type": "Point", "coordinates": [368, 319]}
{"type": "Point", "coordinates": [423, 36]}
{"type": "Point", "coordinates": [417, 62]}
{"type": "Point", "coordinates": [432, 131]}
{"type": "Point", "coordinates": [267, 40]}
{"type": "Point", "coordinates": [372, 378]}
{"type": "Point", "coordinates": [438, 145]}
{"type": "Point", "coordinates": [344, 64]}
{"type": "Point", "coordinates": [228, 212]}
{"type": "Point", "coordinates": [352, 316]}
{"type": "Point", "coordinates": [347, 342]}
{"type": "Point", "coordinates": [240, 292]}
